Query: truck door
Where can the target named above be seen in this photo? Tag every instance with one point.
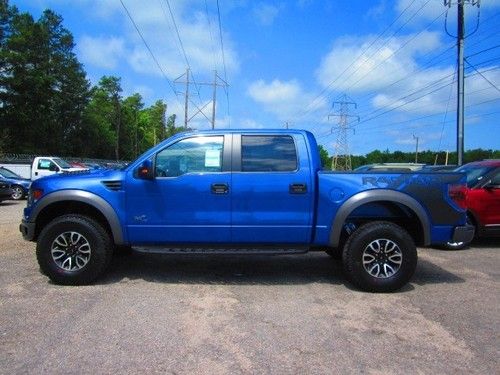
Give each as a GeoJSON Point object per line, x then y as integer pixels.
{"type": "Point", "coordinates": [43, 167]}
{"type": "Point", "coordinates": [189, 199]}
{"type": "Point", "coordinates": [272, 190]}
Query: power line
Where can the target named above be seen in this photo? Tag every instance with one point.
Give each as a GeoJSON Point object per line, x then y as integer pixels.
{"type": "Point", "coordinates": [182, 46]}
{"type": "Point", "coordinates": [393, 53]}
{"type": "Point", "coordinates": [149, 49]}
{"type": "Point", "coordinates": [211, 36]}
{"type": "Point", "coordinates": [223, 61]}
{"type": "Point", "coordinates": [481, 74]}
{"type": "Point", "coordinates": [325, 90]}
{"type": "Point", "coordinates": [483, 51]}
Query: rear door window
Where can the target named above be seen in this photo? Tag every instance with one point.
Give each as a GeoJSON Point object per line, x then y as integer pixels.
{"type": "Point", "coordinates": [268, 153]}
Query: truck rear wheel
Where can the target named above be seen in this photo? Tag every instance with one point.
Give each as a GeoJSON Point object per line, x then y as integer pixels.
{"type": "Point", "coordinates": [73, 250]}
{"type": "Point", "coordinates": [379, 257]}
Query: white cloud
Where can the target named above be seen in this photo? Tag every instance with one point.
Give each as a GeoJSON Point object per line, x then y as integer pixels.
{"type": "Point", "coordinates": [103, 52]}
{"type": "Point", "coordinates": [285, 99]}
{"type": "Point", "coordinates": [266, 13]}
{"type": "Point", "coordinates": [386, 61]}
{"type": "Point", "coordinates": [377, 10]}
{"type": "Point", "coordinates": [155, 23]}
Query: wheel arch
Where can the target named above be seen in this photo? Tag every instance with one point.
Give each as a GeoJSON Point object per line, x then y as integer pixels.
{"type": "Point", "coordinates": [384, 196]}
{"type": "Point", "coordinates": [77, 202]}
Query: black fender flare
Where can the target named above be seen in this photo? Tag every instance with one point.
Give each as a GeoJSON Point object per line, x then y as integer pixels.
{"type": "Point", "coordinates": [85, 197]}
{"type": "Point", "coordinates": [377, 195]}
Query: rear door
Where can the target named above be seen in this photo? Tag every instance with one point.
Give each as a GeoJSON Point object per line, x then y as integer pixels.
{"type": "Point", "coordinates": [272, 190]}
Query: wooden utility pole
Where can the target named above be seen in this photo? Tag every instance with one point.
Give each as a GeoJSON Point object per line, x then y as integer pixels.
{"type": "Point", "coordinates": [416, 148]}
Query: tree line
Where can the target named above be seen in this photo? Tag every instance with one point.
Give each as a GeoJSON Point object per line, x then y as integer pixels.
{"type": "Point", "coordinates": [48, 106]}
{"type": "Point", "coordinates": [425, 157]}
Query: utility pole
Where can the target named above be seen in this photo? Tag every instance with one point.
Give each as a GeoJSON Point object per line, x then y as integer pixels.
{"type": "Point", "coordinates": [460, 64]}
{"type": "Point", "coordinates": [416, 148]}
{"type": "Point", "coordinates": [342, 156]}
{"type": "Point", "coordinates": [185, 78]}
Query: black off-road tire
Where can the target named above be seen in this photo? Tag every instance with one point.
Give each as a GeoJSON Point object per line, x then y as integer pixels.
{"type": "Point", "coordinates": [101, 249]}
{"type": "Point", "coordinates": [359, 242]}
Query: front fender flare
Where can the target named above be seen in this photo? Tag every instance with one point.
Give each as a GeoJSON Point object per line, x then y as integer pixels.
{"type": "Point", "coordinates": [377, 195]}
{"type": "Point", "coordinates": [85, 197]}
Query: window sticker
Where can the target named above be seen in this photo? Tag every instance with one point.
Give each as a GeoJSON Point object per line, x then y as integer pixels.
{"type": "Point", "coordinates": [212, 158]}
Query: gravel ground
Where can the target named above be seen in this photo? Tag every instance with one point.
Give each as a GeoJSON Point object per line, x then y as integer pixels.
{"type": "Point", "coordinates": [250, 314]}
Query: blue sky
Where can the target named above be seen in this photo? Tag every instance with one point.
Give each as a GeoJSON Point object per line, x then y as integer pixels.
{"type": "Point", "coordinates": [288, 61]}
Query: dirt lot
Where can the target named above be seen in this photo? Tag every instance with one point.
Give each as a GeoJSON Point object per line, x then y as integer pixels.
{"type": "Point", "coordinates": [228, 315]}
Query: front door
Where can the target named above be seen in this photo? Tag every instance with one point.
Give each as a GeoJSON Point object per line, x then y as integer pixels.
{"type": "Point", "coordinates": [189, 199]}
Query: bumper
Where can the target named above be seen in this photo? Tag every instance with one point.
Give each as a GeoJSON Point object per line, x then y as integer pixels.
{"type": "Point", "coordinates": [463, 234]}
{"type": "Point", "coordinates": [27, 229]}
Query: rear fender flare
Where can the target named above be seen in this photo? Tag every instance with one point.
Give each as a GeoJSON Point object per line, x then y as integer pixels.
{"type": "Point", "coordinates": [377, 195]}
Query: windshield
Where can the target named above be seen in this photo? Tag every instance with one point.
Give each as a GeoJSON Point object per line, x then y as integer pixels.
{"type": "Point", "coordinates": [63, 164]}
{"type": "Point", "coordinates": [8, 173]}
{"type": "Point", "coordinates": [474, 173]}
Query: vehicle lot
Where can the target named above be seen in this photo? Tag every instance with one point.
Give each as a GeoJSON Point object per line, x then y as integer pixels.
{"type": "Point", "coordinates": [227, 314]}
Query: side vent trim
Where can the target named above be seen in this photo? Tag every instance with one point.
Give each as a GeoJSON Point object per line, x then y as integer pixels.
{"type": "Point", "coordinates": [115, 185]}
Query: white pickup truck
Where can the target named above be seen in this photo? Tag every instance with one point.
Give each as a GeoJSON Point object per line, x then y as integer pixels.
{"type": "Point", "coordinates": [47, 165]}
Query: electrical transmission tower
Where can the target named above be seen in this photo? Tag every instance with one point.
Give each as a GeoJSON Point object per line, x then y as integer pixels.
{"type": "Point", "coordinates": [185, 79]}
{"type": "Point", "coordinates": [460, 63]}
{"type": "Point", "coordinates": [342, 156]}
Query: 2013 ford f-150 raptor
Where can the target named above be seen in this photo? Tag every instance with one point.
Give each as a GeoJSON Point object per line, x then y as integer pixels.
{"type": "Point", "coordinates": [243, 191]}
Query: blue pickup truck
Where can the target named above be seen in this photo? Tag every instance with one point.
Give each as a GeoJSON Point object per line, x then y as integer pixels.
{"type": "Point", "coordinates": [243, 192]}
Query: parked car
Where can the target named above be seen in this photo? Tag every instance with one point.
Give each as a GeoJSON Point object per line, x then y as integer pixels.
{"type": "Point", "coordinates": [482, 198]}
{"type": "Point", "coordinates": [243, 192]}
{"type": "Point", "coordinates": [19, 185]}
{"type": "Point", "coordinates": [5, 190]}
{"type": "Point", "coordinates": [439, 168]}
{"type": "Point", "coordinates": [390, 167]}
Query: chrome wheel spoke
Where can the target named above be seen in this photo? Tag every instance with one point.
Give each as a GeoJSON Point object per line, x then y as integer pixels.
{"type": "Point", "coordinates": [382, 258]}
{"type": "Point", "coordinates": [71, 251]}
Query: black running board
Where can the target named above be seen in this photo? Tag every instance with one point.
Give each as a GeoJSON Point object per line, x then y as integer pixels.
{"type": "Point", "coordinates": [216, 250]}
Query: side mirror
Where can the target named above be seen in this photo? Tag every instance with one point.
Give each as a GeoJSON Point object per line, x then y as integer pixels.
{"type": "Point", "coordinates": [54, 168]}
{"type": "Point", "coordinates": [145, 170]}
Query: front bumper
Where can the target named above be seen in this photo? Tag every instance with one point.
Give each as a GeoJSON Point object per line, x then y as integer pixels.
{"type": "Point", "coordinates": [463, 234]}
{"type": "Point", "coordinates": [27, 229]}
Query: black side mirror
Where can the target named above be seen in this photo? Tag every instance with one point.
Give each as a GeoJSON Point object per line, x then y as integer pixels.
{"type": "Point", "coordinates": [145, 171]}
{"type": "Point", "coordinates": [54, 168]}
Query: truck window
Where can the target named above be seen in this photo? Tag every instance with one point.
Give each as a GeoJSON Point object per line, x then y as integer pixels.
{"type": "Point", "coordinates": [268, 153]}
{"type": "Point", "coordinates": [191, 155]}
{"type": "Point", "coordinates": [45, 164]}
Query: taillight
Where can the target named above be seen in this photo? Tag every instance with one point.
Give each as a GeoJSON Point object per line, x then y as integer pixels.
{"type": "Point", "coordinates": [458, 193]}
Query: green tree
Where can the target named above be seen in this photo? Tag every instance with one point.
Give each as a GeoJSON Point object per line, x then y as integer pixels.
{"type": "Point", "coordinates": [131, 108]}
{"type": "Point", "coordinates": [326, 161]}
{"type": "Point", "coordinates": [44, 87]}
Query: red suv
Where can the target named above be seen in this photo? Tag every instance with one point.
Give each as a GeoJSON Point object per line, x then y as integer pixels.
{"type": "Point", "coordinates": [483, 198]}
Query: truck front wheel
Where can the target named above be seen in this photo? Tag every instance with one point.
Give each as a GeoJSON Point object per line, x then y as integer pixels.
{"type": "Point", "coordinates": [73, 250]}
{"type": "Point", "coordinates": [379, 257]}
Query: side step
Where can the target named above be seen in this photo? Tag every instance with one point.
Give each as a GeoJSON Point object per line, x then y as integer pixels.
{"type": "Point", "coordinates": [221, 250]}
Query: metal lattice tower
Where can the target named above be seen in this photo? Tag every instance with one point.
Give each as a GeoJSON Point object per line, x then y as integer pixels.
{"type": "Point", "coordinates": [342, 156]}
